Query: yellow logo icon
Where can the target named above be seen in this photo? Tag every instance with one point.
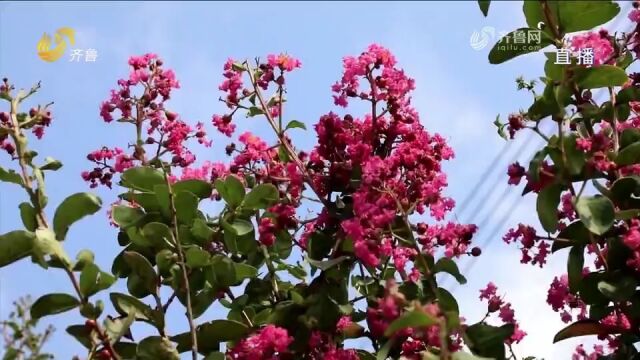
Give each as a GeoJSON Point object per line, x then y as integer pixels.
{"type": "Point", "coordinates": [49, 54]}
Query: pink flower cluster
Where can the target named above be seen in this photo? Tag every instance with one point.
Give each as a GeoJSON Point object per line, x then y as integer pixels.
{"type": "Point", "coordinates": [400, 162]}
{"type": "Point", "coordinates": [390, 83]}
{"type": "Point", "coordinates": [598, 41]}
{"type": "Point", "coordinates": [103, 172]}
{"type": "Point", "coordinates": [632, 240]}
{"type": "Point", "coordinates": [164, 129]}
{"type": "Point", "coordinates": [581, 354]}
{"type": "Point", "coordinates": [531, 253]}
{"type": "Point", "coordinates": [414, 340]}
{"type": "Point", "coordinates": [564, 302]}
{"type": "Point", "coordinates": [269, 343]}
{"type": "Point", "coordinates": [208, 171]}
{"type": "Point", "coordinates": [322, 346]}
{"type": "Point", "coordinates": [504, 310]}
{"type": "Point", "coordinates": [235, 91]}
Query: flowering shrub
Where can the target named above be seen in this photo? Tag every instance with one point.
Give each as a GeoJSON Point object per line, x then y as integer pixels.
{"type": "Point", "coordinates": [361, 267]}
{"type": "Point", "coordinates": [585, 178]}
{"type": "Point", "coordinates": [347, 240]}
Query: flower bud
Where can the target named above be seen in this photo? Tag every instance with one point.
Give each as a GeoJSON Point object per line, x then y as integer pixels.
{"type": "Point", "coordinates": [230, 148]}
{"type": "Point", "coordinates": [90, 324]}
{"type": "Point", "coordinates": [476, 251]}
{"type": "Point", "coordinates": [494, 304]}
{"type": "Point", "coordinates": [422, 228]}
{"type": "Point", "coordinates": [4, 117]}
{"type": "Point", "coordinates": [104, 354]}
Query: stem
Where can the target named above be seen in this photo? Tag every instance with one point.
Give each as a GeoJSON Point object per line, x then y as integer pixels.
{"type": "Point", "coordinates": [550, 21]}
{"type": "Point", "coordinates": [272, 272]}
{"type": "Point", "coordinates": [183, 267]}
{"type": "Point", "coordinates": [287, 146]}
{"type": "Point", "coordinates": [21, 146]}
{"type": "Point", "coordinates": [244, 314]}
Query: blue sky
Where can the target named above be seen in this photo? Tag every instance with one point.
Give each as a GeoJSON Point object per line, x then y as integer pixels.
{"type": "Point", "coordinates": [458, 95]}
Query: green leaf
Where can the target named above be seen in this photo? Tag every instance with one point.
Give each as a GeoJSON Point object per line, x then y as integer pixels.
{"type": "Point", "coordinates": [201, 230]}
{"type": "Point", "coordinates": [600, 76]}
{"type": "Point", "coordinates": [575, 264]}
{"type": "Point", "coordinates": [585, 15]}
{"type": "Point", "coordinates": [383, 353]}
{"type": "Point", "coordinates": [28, 216]}
{"type": "Point", "coordinates": [552, 70]}
{"type": "Point", "coordinates": [536, 162]}
{"type": "Point", "coordinates": [126, 216]}
{"type": "Point", "coordinates": [116, 328]}
{"type": "Point", "coordinates": [199, 188]}
{"type": "Point", "coordinates": [238, 227]}
{"type": "Point", "coordinates": [449, 266]}
{"type": "Point", "coordinates": [224, 271]}
{"type": "Point", "coordinates": [126, 305]}
{"type": "Point", "coordinates": [629, 155]}
{"type": "Point", "coordinates": [576, 233]}
{"type": "Point", "coordinates": [72, 209]}
{"type": "Point", "coordinates": [576, 159]}
{"type": "Point", "coordinates": [15, 245]}
{"type": "Point", "coordinates": [51, 164]}
{"type": "Point", "coordinates": [580, 328]}
{"type": "Point", "coordinates": [215, 356]}
{"type": "Point", "coordinates": [326, 264]}
{"type": "Point", "coordinates": [244, 271]}
{"type": "Point", "coordinates": [158, 234]}
{"type": "Point", "coordinates": [254, 110]}
{"type": "Point", "coordinates": [156, 348]}
{"type": "Point", "coordinates": [93, 280]}
{"type": "Point", "coordinates": [410, 319]}
{"type": "Point", "coordinates": [283, 155]}
{"type": "Point", "coordinates": [486, 340]}
{"type": "Point", "coordinates": [186, 204]}
{"type": "Point", "coordinates": [92, 311]}
{"type": "Point", "coordinates": [52, 304]}
{"type": "Point", "coordinates": [506, 48]}
{"type": "Point", "coordinates": [625, 187]}
{"type": "Point", "coordinates": [619, 288]}
{"type": "Point", "coordinates": [589, 291]}
{"type": "Point", "coordinates": [484, 6]}
{"type": "Point", "coordinates": [46, 244]}
{"type": "Point", "coordinates": [295, 124]}
{"type": "Point", "coordinates": [596, 212]}
{"type": "Point", "coordinates": [81, 333]}
{"type": "Point", "coordinates": [231, 190]}
{"type": "Point", "coordinates": [83, 258]}
{"type": "Point", "coordinates": [148, 200]}
{"type": "Point", "coordinates": [547, 207]}
{"type": "Point", "coordinates": [143, 268]}
{"type": "Point", "coordinates": [447, 301]}
{"type": "Point", "coordinates": [534, 14]}
{"type": "Point", "coordinates": [142, 178]}
{"type": "Point", "coordinates": [197, 258]}
{"type": "Point", "coordinates": [261, 197]}
{"type": "Point", "coordinates": [210, 334]}
{"type": "Point", "coordinates": [10, 177]}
